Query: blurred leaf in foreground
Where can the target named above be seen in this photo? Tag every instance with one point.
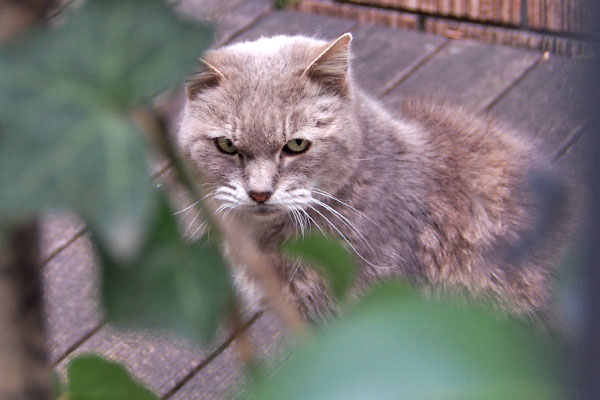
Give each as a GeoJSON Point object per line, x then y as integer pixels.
{"type": "Point", "coordinates": [67, 140]}
{"type": "Point", "coordinates": [93, 378]}
{"type": "Point", "coordinates": [327, 256]}
{"type": "Point", "coordinates": [175, 285]}
{"type": "Point", "coordinates": [395, 345]}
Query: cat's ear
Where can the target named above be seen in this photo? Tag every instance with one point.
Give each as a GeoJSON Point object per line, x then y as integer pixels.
{"type": "Point", "coordinates": [330, 68]}
{"type": "Point", "coordinates": [205, 77]}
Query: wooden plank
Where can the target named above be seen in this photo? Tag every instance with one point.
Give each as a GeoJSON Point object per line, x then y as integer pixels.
{"type": "Point", "coordinates": [546, 103]}
{"type": "Point", "coordinates": [569, 46]}
{"type": "Point", "coordinates": [295, 23]}
{"type": "Point", "coordinates": [71, 296]}
{"type": "Point", "coordinates": [380, 54]}
{"type": "Point", "coordinates": [58, 230]}
{"type": "Point", "coordinates": [364, 15]}
{"type": "Point", "coordinates": [204, 10]}
{"type": "Point", "coordinates": [160, 360]}
{"type": "Point", "coordinates": [400, 47]}
{"type": "Point", "coordinates": [499, 11]}
{"type": "Point", "coordinates": [573, 161]}
{"type": "Point", "coordinates": [224, 378]}
{"type": "Point", "coordinates": [467, 73]}
{"type": "Point", "coordinates": [238, 19]}
{"type": "Point", "coordinates": [556, 15]}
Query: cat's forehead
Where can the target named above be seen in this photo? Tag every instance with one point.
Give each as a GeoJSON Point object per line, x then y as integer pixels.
{"type": "Point", "coordinates": [265, 60]}
{"type": "Point", "coordinates": [275, 46]}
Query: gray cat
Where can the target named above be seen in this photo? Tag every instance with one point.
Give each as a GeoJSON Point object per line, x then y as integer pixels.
{"type": "Point", "coordinates": [288, 143]}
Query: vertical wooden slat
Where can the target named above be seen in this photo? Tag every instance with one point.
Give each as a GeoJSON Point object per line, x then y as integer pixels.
{"type": "Point", "coordinates": [497, 11]}
{"type": "Point", "coordinates": [561, 16]}
{"type": "Point", "coordinates": [556, 16]}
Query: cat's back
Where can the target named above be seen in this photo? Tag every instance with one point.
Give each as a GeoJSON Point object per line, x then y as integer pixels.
{"type": "Point", "coordinates": [483, 202]}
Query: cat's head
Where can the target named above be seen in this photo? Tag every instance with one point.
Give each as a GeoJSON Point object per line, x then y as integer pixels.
{"type": "Point", "coordinates": [269, 124]}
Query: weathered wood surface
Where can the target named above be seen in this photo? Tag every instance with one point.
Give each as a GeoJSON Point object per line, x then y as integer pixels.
{"type": "Point", "coordinates": [58, 230]}
{"type": "Point", "coordinates": [158, 359]}
{"type": "Point", "coordinates": [466, 72]}
{"type": "Point", "coordinates": [291, 23]}
{"type": "Point", "coordinates": [546, 102]}
{"type": "Point", "coordinates": [223, 378]}
{"type": "Point", "coordinates": [536, 96]}
{"type": "Point", "coordinates": [383, 55]}
{"type": "Point", "coordinates": [72, 298]}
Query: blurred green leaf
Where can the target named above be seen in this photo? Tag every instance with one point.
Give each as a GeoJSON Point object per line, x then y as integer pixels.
{"type": "Point", "coordinates": [283, 4]}
{"type": "Point", "coordinates": [57, 385]}
{"type": "Point", "coordinates": [395, 345]}
{"type": "Point", "coordinates": [180, 286]}
{"type": "Point", "coordinates": [67, 140]}
{"type": "Point", "coordinates": [327, 256]}
{"type": "Point", "coordinates": [93, 378]}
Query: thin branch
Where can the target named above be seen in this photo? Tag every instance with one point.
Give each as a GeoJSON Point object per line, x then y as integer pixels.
{"type": "Point", "coordinates": [16, 16]}
{"type": "Point", "coordinates": [24, 372]}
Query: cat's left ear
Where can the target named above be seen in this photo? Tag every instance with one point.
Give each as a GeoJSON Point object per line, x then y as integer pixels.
{"type": "Point", "coordinates": [205, 77]}
{"type": "Point", "coordinates": [330, 68]}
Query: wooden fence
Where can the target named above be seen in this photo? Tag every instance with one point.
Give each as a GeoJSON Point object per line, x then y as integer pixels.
{"type": "Point", "coordinates": [558, 26]}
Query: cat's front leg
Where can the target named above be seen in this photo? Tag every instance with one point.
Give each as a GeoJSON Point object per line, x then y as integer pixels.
{"type": "Point", "coordinates": [300, 285]}
{"type": "Point", "coordinates": [306, 289]}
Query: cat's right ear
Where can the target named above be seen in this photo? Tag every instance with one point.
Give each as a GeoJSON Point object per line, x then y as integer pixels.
{"type": "Point", "coordinates": [205, 77]}
{"type": "Point", "coordinates": [331, 66]}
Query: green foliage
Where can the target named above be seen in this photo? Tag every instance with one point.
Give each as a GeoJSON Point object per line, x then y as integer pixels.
{"type": "Point", "coordinates": [67, 140]}
{"type": "Point", "coordinates": [327, 256]}
{"type": "Point", "coordinates": [283, 4]}
{"type": "Point", "coordinates": [395, 345]}
{"type": "Point", "coordinates": [176, 285]}
{"type": "Point", "coordinates": [93, 378]}
{"type": "Point", "coordinates": [57, 385]}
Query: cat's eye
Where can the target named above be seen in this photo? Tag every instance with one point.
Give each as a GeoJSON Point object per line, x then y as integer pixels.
{"type": "Point", "coordinates": [225, 145]}
{"type": "Point", "coordinates": [296, 146]}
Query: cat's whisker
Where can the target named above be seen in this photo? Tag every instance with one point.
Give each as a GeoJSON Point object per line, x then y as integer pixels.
{"type": "Point", "coordinates": [184, 216]}
{"type": "Point", "coordinates": [225, 198]}
{"type": "Point", "coordinates": [345, 221]}
{"type": "Point", "coordinates": [298, 218]}
{"type": "Point", "coordinates": [345, 239]}
{"type": "Point", "coordinates": [194, 203]}
{"type": "Point", "coordinates": [313, 221]}
{"type": "Point", "coordinates": [222, 207]}
{"type": "Point", "coordinates": [368, 158]}
{"type": "Point", "coordinates": [202, 225]}
{"type": "Point", "coordinates": [228, 211]}
{"type": "Point", "coordinates": [334, 198]}
{"type": "Point", "coordinates": [294, 217]}
{"type": "Point", "coordinates": [296, 267]}
{"type": "Point", "coordinates": [305, 219]}
{"type": "Point", "coordinates": [227, 190]}
{"type": "Point", "coordinates": [191, 223]}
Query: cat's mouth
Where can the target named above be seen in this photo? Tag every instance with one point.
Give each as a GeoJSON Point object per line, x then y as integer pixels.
{"type": "Point", "coordinates": [263, 210]}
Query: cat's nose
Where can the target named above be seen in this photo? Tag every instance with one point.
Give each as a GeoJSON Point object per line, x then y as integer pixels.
{"type": "Point", "coordinates": [259, 197]}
